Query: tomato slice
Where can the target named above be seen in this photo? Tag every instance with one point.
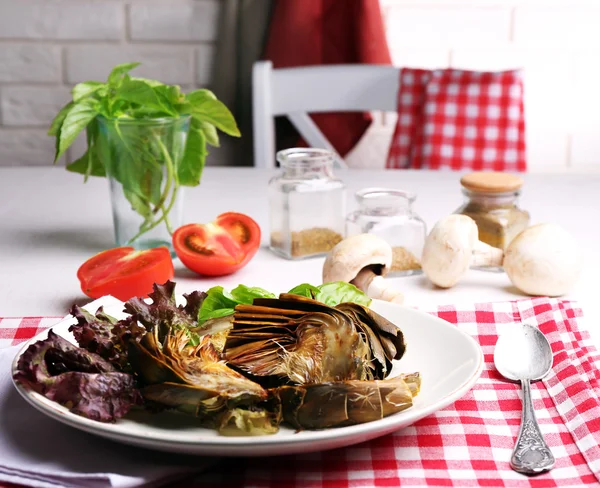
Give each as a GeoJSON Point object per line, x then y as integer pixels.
{"type": "Point", "coordinates": [124, 272]}
{"type": "Point", "coordinates": [220, 247]}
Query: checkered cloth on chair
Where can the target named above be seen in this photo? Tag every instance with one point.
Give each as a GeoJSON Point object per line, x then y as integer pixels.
{"type": "Point", "coordinates": [456, 119]}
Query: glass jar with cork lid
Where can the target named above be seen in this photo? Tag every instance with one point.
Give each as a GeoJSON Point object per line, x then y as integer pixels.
{"type": "Point", "coordinates": [492, 201]}
{"type": "Point", "coordinates": [389, 214]}
{"type": "Point", "coordinates": [307, 204]}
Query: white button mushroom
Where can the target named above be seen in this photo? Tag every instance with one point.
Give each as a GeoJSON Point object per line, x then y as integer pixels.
{"type": "Point", "coordinates": [542, 260]}
{"type": "Point", "coordinates": [453, 246]}
{"type": "Point", "coordinates": [362, 260]}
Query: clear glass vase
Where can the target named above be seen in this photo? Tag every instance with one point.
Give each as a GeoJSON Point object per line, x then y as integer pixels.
{"type": "Point", "coordinates": [142, 158]}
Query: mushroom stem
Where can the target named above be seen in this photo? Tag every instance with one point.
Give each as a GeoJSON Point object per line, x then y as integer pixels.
{"type": "Point", "coordinates": [376, 286]}
{"type": "Point", "coordinates": [486, 255]}
{"type": "Point", "coordinates": [380, 289]}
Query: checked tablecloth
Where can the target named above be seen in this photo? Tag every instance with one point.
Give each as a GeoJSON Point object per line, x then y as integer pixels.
{"type": "Point", "coordinates": [468, 443]}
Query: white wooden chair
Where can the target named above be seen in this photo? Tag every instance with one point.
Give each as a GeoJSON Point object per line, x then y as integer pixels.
{"type": "Point", "coordinates": [296, 92]}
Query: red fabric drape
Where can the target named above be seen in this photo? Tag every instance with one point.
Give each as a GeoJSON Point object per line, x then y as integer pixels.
{"type": "Point", "coordinates": [317, 32]}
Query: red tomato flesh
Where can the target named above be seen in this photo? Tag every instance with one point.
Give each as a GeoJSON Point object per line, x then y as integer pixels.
{"type": "Point", "coordinates": [125, 273]}
{"type": "Point", "coordinates": [220, 247]}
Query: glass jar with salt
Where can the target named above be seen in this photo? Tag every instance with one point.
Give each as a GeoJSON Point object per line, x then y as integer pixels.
{"type": "Point", "coordinates": [389, 214]}
{"type": "Point", "coordinates": [307, 204]}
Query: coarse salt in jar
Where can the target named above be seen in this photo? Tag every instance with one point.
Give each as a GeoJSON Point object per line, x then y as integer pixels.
{"type": "Point", "coordinates": [307, 204]}
{"type": "Point", "coordinates": [492, 201]}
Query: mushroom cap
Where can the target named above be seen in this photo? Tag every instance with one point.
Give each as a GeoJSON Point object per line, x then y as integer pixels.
{"type": "Point", "coordinates": [543, 260]}
{"type": "Point", "coordinates": [448, 249]}
{"type": "Point", "coordinates": [354, 253]}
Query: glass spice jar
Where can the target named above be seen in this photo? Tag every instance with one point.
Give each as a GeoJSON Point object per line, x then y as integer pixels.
{"type": "Point", "coordinates": [492, 201]}
{"type": "Point", "coordinates": [389, 214]}
{"type": "Point", "coordinates": [307, 204]}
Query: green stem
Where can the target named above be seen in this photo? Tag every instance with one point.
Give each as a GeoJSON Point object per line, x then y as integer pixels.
{"type": "Point", "coordinates": [169, 165]}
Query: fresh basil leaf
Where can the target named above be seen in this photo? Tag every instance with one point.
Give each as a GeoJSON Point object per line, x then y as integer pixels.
{"type": "Point", "coordinates": [85, 89]}
{"type": "Point", "coordinates": [121, 159]}
{"type": "Point", "coordinates": [305, 290]}
{"type": "Point", "coordinates": [209, 109]}
{"type": "Point", "coordinates": [210, 133]}
{"type": "Point", "coordinates": [247, 294]}
{"type": "Point", "coordinates": [201, 93]}
{"type": "Point", "coordinates": [139, 204]}
{"type": "Point", "coordinates": [118, 73]}
{"type": "Point", "coordinates": [88, 164]}
{"type": "Point", "coordinates": [152, 83]}
{"type": "Point", "coordinates": [139, 92]}
{"type": "Point", "coordinates": [338, 292]}
{"type": "Point", "coordinates": [59, 119]}
{"type": "Point", "coordinates": [77, 119]}
{"type": "Point", "coordinates": [172, 93]}
{"type": "Point", "coordinates": [192, 163]}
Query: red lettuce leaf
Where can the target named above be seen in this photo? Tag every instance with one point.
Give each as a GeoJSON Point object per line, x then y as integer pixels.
{"type": "Point", "coordinates": [105, 336]}
{"type": "Point", "coordinates": [82, 381]}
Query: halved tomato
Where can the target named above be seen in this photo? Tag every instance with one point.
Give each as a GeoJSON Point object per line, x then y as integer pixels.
{"type": "Point", "coordinates": [125, 273]}
{"type": "Point", "coordinates": [220, 247]}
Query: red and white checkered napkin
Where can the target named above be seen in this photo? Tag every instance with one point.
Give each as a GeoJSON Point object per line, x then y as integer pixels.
{"type": "Point", "coordinates": [458, 119]}
{"type": "Point", "coordinates": [468, 443]}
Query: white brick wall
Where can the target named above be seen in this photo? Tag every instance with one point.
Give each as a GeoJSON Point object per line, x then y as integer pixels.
{"type": "Point", "coordinates": [556, 42]}
{"type": "Point", "coordinates": [48, 46]}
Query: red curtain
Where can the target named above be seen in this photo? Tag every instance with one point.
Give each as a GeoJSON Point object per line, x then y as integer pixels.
{"type": "Point", "coordinates": [317, 32]}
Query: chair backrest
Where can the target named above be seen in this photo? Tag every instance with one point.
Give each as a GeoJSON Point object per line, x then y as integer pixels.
{"type": "Point", "coordinates": [296, 92]}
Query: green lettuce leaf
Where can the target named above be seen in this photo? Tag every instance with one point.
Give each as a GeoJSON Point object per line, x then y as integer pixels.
{"type": "Point", "coordinates": [305, 290]}
{"type": "Point", "coordinates": [220, 303]}
{"type": "Point", "coordinates": [337, 292]}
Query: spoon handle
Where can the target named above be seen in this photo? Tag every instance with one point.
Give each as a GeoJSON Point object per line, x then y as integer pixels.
{"type": "Point", "coordinates": [531, 455]}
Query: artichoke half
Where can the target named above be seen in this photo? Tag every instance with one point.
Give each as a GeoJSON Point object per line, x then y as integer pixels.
{"type": "Point", "coordinates": [302, 341]}
{"type": "Point", "coordinates": [195, 380]}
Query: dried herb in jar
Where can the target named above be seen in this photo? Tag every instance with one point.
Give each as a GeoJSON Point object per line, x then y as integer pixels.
{"type": "Point", "coordinates": [403, 260]}
{"type": "Point", "coordinates": [491, 201]}
{"type": "Point", "coordinates": [317, 240]}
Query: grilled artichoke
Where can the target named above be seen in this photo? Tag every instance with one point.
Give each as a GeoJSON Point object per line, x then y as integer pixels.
{"type": "Point", "coordinates": [346, 403]}
{"type": "Point", "coordinates": [302, 341]}
{"type": "Point", "coordinates": [192, 379]}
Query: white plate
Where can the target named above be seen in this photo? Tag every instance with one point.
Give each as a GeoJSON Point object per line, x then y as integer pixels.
{"type": "Point", "coordinates": [450, 362]}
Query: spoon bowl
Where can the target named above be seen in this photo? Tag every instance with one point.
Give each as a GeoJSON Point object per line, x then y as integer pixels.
{"type": "Point", "coordinates": [524, 354]}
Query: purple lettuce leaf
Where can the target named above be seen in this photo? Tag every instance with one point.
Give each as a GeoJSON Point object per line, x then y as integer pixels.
{"type": "Point", "coordinates": [82, 381]}
{"type": "Point", "coordinates": [105, 336]}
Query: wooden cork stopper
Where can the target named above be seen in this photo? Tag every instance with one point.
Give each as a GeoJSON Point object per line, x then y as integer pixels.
{"type": "Point", "coordinates": [491, 182]}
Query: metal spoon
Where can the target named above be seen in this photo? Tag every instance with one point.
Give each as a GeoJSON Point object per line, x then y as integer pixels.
{"type": "Point", "coordinates": [524, 354]}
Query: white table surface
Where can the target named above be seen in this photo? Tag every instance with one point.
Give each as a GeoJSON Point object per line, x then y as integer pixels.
{"type": "Point", "coordinates": [51, 222]}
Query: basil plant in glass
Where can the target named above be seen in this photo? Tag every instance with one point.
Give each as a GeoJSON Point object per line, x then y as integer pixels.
{"type": "Point", "coordinates": [149, 140]}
